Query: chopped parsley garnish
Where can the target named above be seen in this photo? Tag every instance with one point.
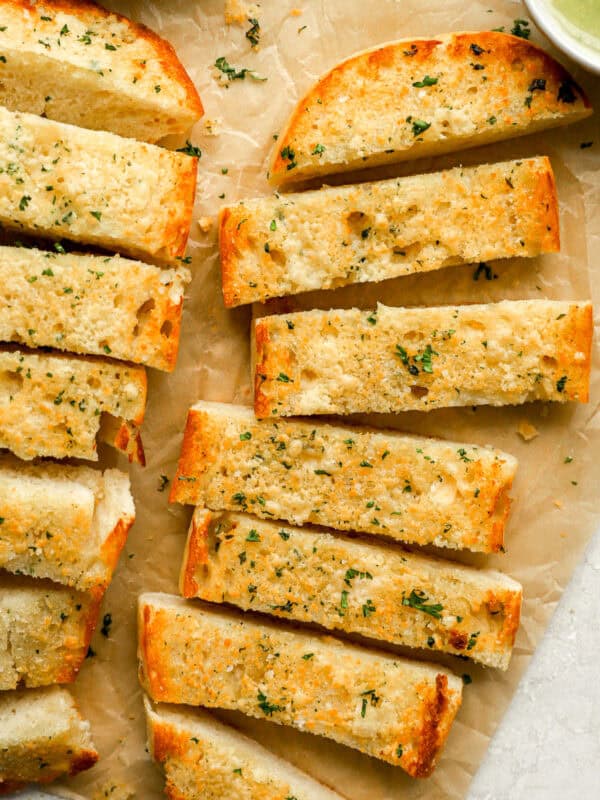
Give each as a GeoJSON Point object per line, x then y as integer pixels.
{"type": "Point", "coordinates": [368, 697]}
{"type": "Point", "coordinates": [521, 28]}
{"type": "Point", "coordinates": [466, 679]}
{"type": "Point", "coordinates": [319, 148]}
{"type": "Point", "coordinates": [560, 384]}
{"type": "Point", "coordinates": [484, 269]}
{"type": "Point", "coordinates": [322, 472]}
{"type": "Point", "coordinates": [288, 607]}
{"type": "Point", "coordinates": [164, 481]}
{"type": "Point", "coordinates": [288, 154]}
{"type": "Point", "coordinates": [245, 437]}
{"type": "Point", "coordinates": [427, 81]}
{"type": "Point", "coordinates": [238, 497]}
{"type": "Point", "coordinates": [308, 656]}
{"type": "Point", "coordinates": [472, 640]}
{"type": "Point", "coordinates": [463, 455]}
{"type": "Point", "coordinates": [399, 751]}
{"type": "Point", "coordinates": [283, 378]}
{"type": "Point", "coordinates": [475, 48]}
{"type": "Point", "coordinates": [284, 535]}
{"type": "Point", "coordinates": [368, 609]}
{"type": "Point", "coordinates": [106, 623]}
{"type": "Point", "coordinates": [190, 149]}
{"type": "Point", "coordinates": [537, 85]}
{"type": "Point", "coordinates": [24, 202]}
{"type": "Point", "coordinates": [234, 74]}
{"type": "Point", "coordinates": [268, 708]}
{"type": "Point", "coordinates": [97, 215]}
{"type": "Point", "coordinates": [366, 464]}
{"type": "Point", "coordinates": [419, 126]}
{"type": "Point", "coordinates": [253, 33]}
{"type": "Point", "coordinates": [566, 93]}
{"type": "Point", "coordinates": [273, 225]}
{"type": "Point", "coordinates": [418, 600]}
{"type": "Point", "coordinates": [253, 536]}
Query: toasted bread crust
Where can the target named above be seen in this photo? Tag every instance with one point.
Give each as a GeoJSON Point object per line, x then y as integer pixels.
{"type": "Point", "coordinates": [386, 76]}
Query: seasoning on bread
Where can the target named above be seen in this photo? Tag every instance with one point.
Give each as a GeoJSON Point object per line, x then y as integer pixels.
{"type": "Point", "coordinates": [204, 759]}
{"type": "Point", "coordinates": [391, 708]}
{"type": "Point", "coordinates": [400, 359]}
{"type": "Point", "coordinates": [94, 305]}
{"type": "Point", "coordinates": [376, 590]}
{"type": "Point", "coordinates": [58, 181]}
{"type": "Point", "coordinates": [427, 491]}
{"type": "Point", "coordinates": [291, 243]}
{"type": "Point", "coordinates": [55, 405]}
{"type": "Point", "coordinates": [76, 62]}
{"type": "Point", "coordinates": [45, 631]}
{"type": "Point", "coordinates": [65, 523]}
{"type": "Point", "coordinates": [42, 737]}
{"type": "Point", "coordinates": [422, 97]}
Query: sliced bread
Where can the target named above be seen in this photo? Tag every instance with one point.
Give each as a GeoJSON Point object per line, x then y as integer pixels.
{"type": "Point", "coordinates": [93, 305]}
{"type": "Point", "coordinates": [58, 181]}
{"type": "Point", "coordinates": [397, 710]}
{"type": "Point", "coordinates": [293, 243]}
{"type": "Point", "coordinates": [421, 97]}
{"type": "Point", "coordinates": [45, 631]}
{"type": "Point", "coordinates": [426, 491]}
{"type": "Point", "coordinates": [401, 359]}
{"type": "Point", "coordinates": [53, 404]}
{"type": "Point", "coordinates": [76, 62]}
{"type": "Point", "coordinates": [378, 591]}
{"type": "Point", "coordinates": [204, 759]}
{"type": "Point", "coordinates": [65, 523]}
{"type": "Point", "coordinates": [42, 737]}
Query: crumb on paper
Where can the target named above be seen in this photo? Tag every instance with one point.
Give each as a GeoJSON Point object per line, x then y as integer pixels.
{"type": "Point", "coordinates": [558, 503]}
{"type": "Point", "coordinates": [237, 12]}
{"type": "Point", "coordinates": [212, 127]}
{"type": "Point", "coordinates": [527, 431]}
{"type": "Point", "coordinates": [116, 791]}
{"type": "Point", "coordinates": [205, 224]}
{"type": "Point", "coordinates": [296, 12]}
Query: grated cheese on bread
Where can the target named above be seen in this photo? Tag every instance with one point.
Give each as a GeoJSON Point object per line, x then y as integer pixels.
{"type": "Point", "coordinates": [396, 710]}
{"type": "Point", "coordinates": [400, 359]}
{"type": "Point", "coordinates": [203, 759]}
{"type": "Point", "coordinates": [378, 591]}
{"type": "Point", "coordinates": [45, 632]}
{"type": "Point", "coordinates": [91, 304]}
{"type": "Point", "coordinates": [54, 405]}
{"type": "Point", "coordinates": [76, 62]}
{"type": "Point", "coordinates": [65, 523]}
{"type": "Point", "coordinates": [291, 243]}
{"type": "Point", "coordinates": [420, 97]}
{"type": "Point", "coordinates": [428, 491]}
{"type": "Point", "coordinates": [58, 181]}
{"type": "Point", "coordinates": [42, 737]}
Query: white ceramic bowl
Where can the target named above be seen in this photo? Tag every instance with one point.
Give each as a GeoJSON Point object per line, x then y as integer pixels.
{"type": "Point", "coordinates": [559, 33]}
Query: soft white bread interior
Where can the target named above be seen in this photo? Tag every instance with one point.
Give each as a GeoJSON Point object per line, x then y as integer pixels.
{"type": "Point", "coordinates": [401, 359]}
{"type": "Point", "coordinates": [59, 181]}
{"type": "Point", "coordinates": [297, 242]}
{"type": "Point", "coordinates": [76, 62]}
{"type": "Point", "coordinates": [65, 523]}
{"type": "Point", "coordinates": [421, 97]}
{"type": "Point", "coordinates": [203, 759]}
{"type": "Point", "coordinates": [396, 710]}
{"type": "Point", "coordinates": [42, 737]}
{"type": "Point", "coordinates": [427, 491]}
{"type": "Point", "coordinates": [94, 305]}
{"type": "Point", "coordinates": [45, 631]}
{"type": "Point", "coordinates": [53, 404]}
{"type": "Point", "coordinates": [376, 590]}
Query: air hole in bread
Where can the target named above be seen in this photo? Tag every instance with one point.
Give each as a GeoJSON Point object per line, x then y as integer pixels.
{"type": "Point", "coordinates": [419, 391]}
{"type": "Point", "coordinates": [117, 300]}
{"type": "Point", "coordinates": [472, 90]}
{"type": "Point", "coordinates": [411, 336]}
{"type": "Point", "coordinates": [166, 328]}
{"type": "Point", "coordinates": [549, 361]}
{"type": "Point", "coordinates": [93, 382]}
{"type": "Point", "coordinates": [358, 222]}
{"type": "Point", "coordinates": [10, 382]}
{"type": "Point", "coordinates": [517, 65]}
{"type": "Point", "coordinates": [278, 256]}
{"type": "Point", "coordinates": [143, 313]}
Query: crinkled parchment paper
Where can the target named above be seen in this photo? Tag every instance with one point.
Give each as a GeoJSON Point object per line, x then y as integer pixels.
{"type": "Point", "coordinates": [555, 503]}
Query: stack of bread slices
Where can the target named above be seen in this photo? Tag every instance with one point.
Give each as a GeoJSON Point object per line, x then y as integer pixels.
{"type": "Point", "coordinates": [96, 219]}
{"type": "Point", "coordinates": [304, 527]}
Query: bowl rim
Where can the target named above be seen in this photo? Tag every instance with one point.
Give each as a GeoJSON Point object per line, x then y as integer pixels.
{"type": "Point", "coordinates": [559, 36]}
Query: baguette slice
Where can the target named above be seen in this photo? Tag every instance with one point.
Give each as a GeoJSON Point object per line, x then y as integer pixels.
{"type": "Point", "coordinates": [42, 737]}
{"type": "Point", "coordinates": [426, 491]}
{"type": "Point", "coordinates": [401, 359]}
{"type": "Point", "coordinates": [422, 97]}
{"type": "Point", "coordinates": [53, 405]}
{"type": "Point", "coordinates": [293, 243]}
{"type": "Point", "coordinates": [65, 523]}
{"type": "Point", "coordinates": [344, 584]}
{"type": "Point", "coordinates": [45, 631]}
{"type": "Point", "coordinates": [75, 62]}
{"type": "Point", "coordinates": [94, 187]}
{"type": "Point", "coordinates": [92, 305]}
{"type": "Point", "coordinates": [397, 710]}
{"type": "Point", "coordinates": [204, 759]}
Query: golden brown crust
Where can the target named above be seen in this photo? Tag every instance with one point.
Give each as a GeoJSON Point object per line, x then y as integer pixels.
{"type": "Point", "coordinates": [231, 240]}
{"type": "Point", "coordinates": [180, 207]}
{"type": "Point", "coordinates": [193, 460]}
{"type": "Point", "coordinates": [195, 554]}
{"type": "Point", "coordinates": [434, 730]}
{"type": "Point", "coordinates": [112, 547]}
{"type": "Point", "coordinates": [262, 404]}
{"type": "Point", "coordinates": [73, 663]}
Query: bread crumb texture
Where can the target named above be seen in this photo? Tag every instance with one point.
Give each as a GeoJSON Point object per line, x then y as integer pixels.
{"type": "Point", "coordinates": [54, 405]}
{"type": "Point", "coordinates": [75, 62]}
{"type": "Point", "coordinates": [422, 97]}
{"type": "Point", "coordinates": [400, 359]}
{"type": "Point", "coordinates": [396, 710]}
{"type": "Point", "coordinates": [291, 243]}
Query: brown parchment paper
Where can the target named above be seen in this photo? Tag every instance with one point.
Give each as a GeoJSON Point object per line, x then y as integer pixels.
{"type": "Point", "coordinates": [555, 507]}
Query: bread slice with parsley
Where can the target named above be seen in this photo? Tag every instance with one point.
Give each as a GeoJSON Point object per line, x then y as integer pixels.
{"type": "Point", "coordinates": [92, 305]}
{"type": "Point", "coordinates": [55, 405]}
{"type": "Point", "coordinates": [422, 97]}
{"type": "Point", "coordinates": [203, 759]}
{"type": "Point", "coordinates": [59, 181]}
{"type": "Point", "coordinates": [42, 737]}
{"type": "Point", "coordinates": [45, 631]}
{"type": "Point", "coordinates": [68, 524]}
{"type": "Point", "coordinates": [427, 491]}
{"type": "Point", "coordinates": [391, 708]}
{"type": "Point", "coordinates": [293, 243]}
{"type": "Point", "coordinates": [379, 591]}
{"type": "Point", "coordinates": [76, 62]}
{"type": "Point", "coordinates": [401, 359]}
